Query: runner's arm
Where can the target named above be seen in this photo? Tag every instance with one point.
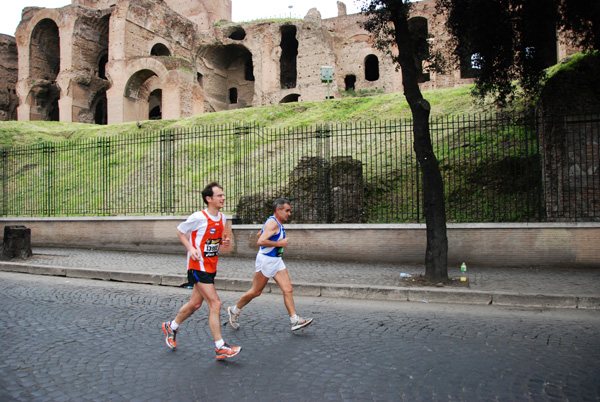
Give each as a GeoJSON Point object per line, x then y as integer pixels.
{"type": "Point", "coordinates": [194, 254]}
{"type": "Point", "coordinates": [270, 229]}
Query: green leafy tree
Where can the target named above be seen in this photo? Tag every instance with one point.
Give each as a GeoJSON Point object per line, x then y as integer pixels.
{"type": "Point", "coordinates": [387, 21]}
{"type": "Point", "coordinates": [510, 43]}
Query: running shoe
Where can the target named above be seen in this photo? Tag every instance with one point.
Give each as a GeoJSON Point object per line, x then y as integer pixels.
{"type": "Point", "coordinates": [233, 317]}
{"type": "Point", "coordinates": [227, 351]}
{"type": "Point", "coordinates": [301, 323]}
{"type": "Point", "coordinates": [169, 335]}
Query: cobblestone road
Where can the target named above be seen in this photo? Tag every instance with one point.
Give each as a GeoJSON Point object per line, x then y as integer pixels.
{"type": "Point", "coordinates": [67, 339]}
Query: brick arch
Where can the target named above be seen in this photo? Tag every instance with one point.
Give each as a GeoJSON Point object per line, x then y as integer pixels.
{"type": "Point", "coordinates": [139, 72]}
{"type": "Point", "coordinates": [44, 66]}
{"type": "Point", "coordinates": [290, 98]}
{"type": "Point", "coordinates": [371, 63]}
{"type": "Point", "coordinates": [44, 50]}
{"type": "Point", "coordinates": [159, 49]}
{"type": "Point", "coordinates": [144, 76]}
{"type": "Point", "coordinates": [25, 29]}
{"type": "Point", "coordinates": [137, 84]}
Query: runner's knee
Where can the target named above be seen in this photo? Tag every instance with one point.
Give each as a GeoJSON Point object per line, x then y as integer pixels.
{"type": "Point", "coordinates": [287, 289]}
{"type": "Point", "coordinates": [255, 293]}
{"type": "Point", "coordinates": [215, 305]}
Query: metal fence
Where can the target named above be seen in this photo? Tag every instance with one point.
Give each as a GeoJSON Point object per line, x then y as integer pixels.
{"type": "Point", "coordinates": [358, 172]}
{"type": "Point", "coordinates": [571, 167]}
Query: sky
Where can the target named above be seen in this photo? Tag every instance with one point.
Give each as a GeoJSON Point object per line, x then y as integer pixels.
{"type": "Point", "coordinates": [243, 10]}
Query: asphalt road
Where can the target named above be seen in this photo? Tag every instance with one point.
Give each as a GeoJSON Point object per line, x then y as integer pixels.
{"type": "Point", "coordinates": [67, 339]}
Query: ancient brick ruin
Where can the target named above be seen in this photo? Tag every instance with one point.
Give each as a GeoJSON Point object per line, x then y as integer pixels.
{"type": "Point", "coordinates": [112, 61]}
{"type": "Point", "coordinates": [8, 78]}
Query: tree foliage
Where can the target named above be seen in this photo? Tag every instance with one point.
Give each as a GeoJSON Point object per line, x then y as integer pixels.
{"type": "Point", "coordinates": [514, 41]}
{"type": "Point", "coordinates": [383, 16]}
{"type": "Point", "coordinates": [580, 19]}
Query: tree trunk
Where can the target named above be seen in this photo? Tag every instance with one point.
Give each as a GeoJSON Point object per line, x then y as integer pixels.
{"type": "Point", "coordinates": [436, 254]}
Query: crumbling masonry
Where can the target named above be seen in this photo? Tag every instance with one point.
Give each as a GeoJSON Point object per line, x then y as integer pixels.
{"type": "Point", "coordinates": [112, 61]}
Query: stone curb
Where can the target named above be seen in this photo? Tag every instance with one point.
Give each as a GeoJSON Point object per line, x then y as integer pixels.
{"type": "Point", "coordinates": [387, 293]}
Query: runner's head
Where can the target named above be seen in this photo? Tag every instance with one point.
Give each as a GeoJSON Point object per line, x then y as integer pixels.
{"type": "Point", "coordinates": [213, 191]}
{"type": "Point", "coordinates": [283, 209]}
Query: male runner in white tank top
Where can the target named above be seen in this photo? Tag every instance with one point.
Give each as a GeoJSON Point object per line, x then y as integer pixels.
{"type": "Point", "coordinates": [269, 264]}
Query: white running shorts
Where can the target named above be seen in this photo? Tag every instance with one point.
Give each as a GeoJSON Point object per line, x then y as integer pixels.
{"type": "Point", "coordinates": [269, 266]}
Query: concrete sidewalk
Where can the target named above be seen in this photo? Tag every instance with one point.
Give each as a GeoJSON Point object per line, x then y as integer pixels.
{"type": "Point", "coordinates": [539, 287]}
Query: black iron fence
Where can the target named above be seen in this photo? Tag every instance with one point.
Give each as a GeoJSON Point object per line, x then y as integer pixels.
{"type": "Point", "coordinates": [495, 168]}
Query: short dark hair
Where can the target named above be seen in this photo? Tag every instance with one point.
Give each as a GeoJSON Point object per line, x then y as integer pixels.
{"type": "Point", "coordinates": [280, 202]}
{"type": "Point", "coordinates": [208, 190]}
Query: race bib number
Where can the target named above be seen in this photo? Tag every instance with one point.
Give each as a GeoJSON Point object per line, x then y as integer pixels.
{"type": "Point", "coordinates": [211, 248]}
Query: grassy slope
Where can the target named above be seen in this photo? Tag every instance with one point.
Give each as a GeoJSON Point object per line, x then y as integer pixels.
{"type": "Point", "coordinates": [385, 193]}
{"type": "Point", "coordinates": [453, 101]}
{"type": "Point", "coordinates": [444, 102]}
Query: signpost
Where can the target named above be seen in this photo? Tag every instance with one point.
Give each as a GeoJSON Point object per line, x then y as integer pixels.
{"type": "Point", "coordinates": [327, 76]}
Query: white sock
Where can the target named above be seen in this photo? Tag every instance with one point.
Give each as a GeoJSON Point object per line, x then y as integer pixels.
{"type": "Point", "coordinates": [235, 310]}
{"type": "Point", "coordinates": [219, 343]}
{"type": "Point", "coordinates": [294, 318]}
{"type": "Point", "coordinates": [174, 325]}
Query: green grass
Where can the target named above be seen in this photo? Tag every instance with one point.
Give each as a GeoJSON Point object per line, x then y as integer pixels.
{"type": "Point", "coordinates": [478, 181]}
{"type": "Point", "coordinates": [444, 102]}
{"type": "Point", "coordinates": [571, 63]}
{"type": "Point", "coordinates": [390, 189]}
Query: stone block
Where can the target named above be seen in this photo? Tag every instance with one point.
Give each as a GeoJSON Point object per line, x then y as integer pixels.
{"type": "Point", "coordinates": [136, 277]}
{"type": "Point", "coordinates": [173, 280]}
{"type": "Point", "coordinates": [588, 302]}
{"type": "Point", "coordinates": [531, 300]}
{"type": "Point", "coordinates": [448, 296]}
{"type": "Point", "coordinates": [306, 289]}
{"type": "Point", "coordinates": [365, 292]}
{"type": "Point", "coordinates": [235, 285]}
{"type": "Point", "coordinates": [88, 274]}
{"type": "Point", "coordinates": [17, 242]}
{"type": "Point", "coordinates": [32, 269]}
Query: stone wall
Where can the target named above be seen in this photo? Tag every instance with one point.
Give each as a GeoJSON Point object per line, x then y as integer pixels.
{"type": "Point", "coordinates": [568, 105]}
{"type": "Point", "coordinates": [8, 78]}
{"type": "Point", "coordinates": [491, 244]}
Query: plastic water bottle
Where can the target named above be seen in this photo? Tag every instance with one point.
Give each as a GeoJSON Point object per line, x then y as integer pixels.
{"type": "Point", "coordinates": [463, 270]}
{"type": "Point", "coordinates": [403, 275]}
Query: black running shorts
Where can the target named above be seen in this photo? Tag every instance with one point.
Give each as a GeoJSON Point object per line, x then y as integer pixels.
{"type": "Point", "coordinates": [195, 276]}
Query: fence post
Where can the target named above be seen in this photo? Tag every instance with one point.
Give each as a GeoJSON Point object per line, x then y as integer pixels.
{"type": "Point", "coordinates": [104, 146]}
{"type": "Point", "coordinates": [48, 151]}
{"type": "Point", "coordinates": [418, 180]}
{"type": "Point", "coordinates": [167, 186]}
{"type": "Point", "coordinates": [4, 194]}
{"type": "Point", "coordinates": [240, 185]}
{"type": "Point", "coordinates": [323, 133]}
